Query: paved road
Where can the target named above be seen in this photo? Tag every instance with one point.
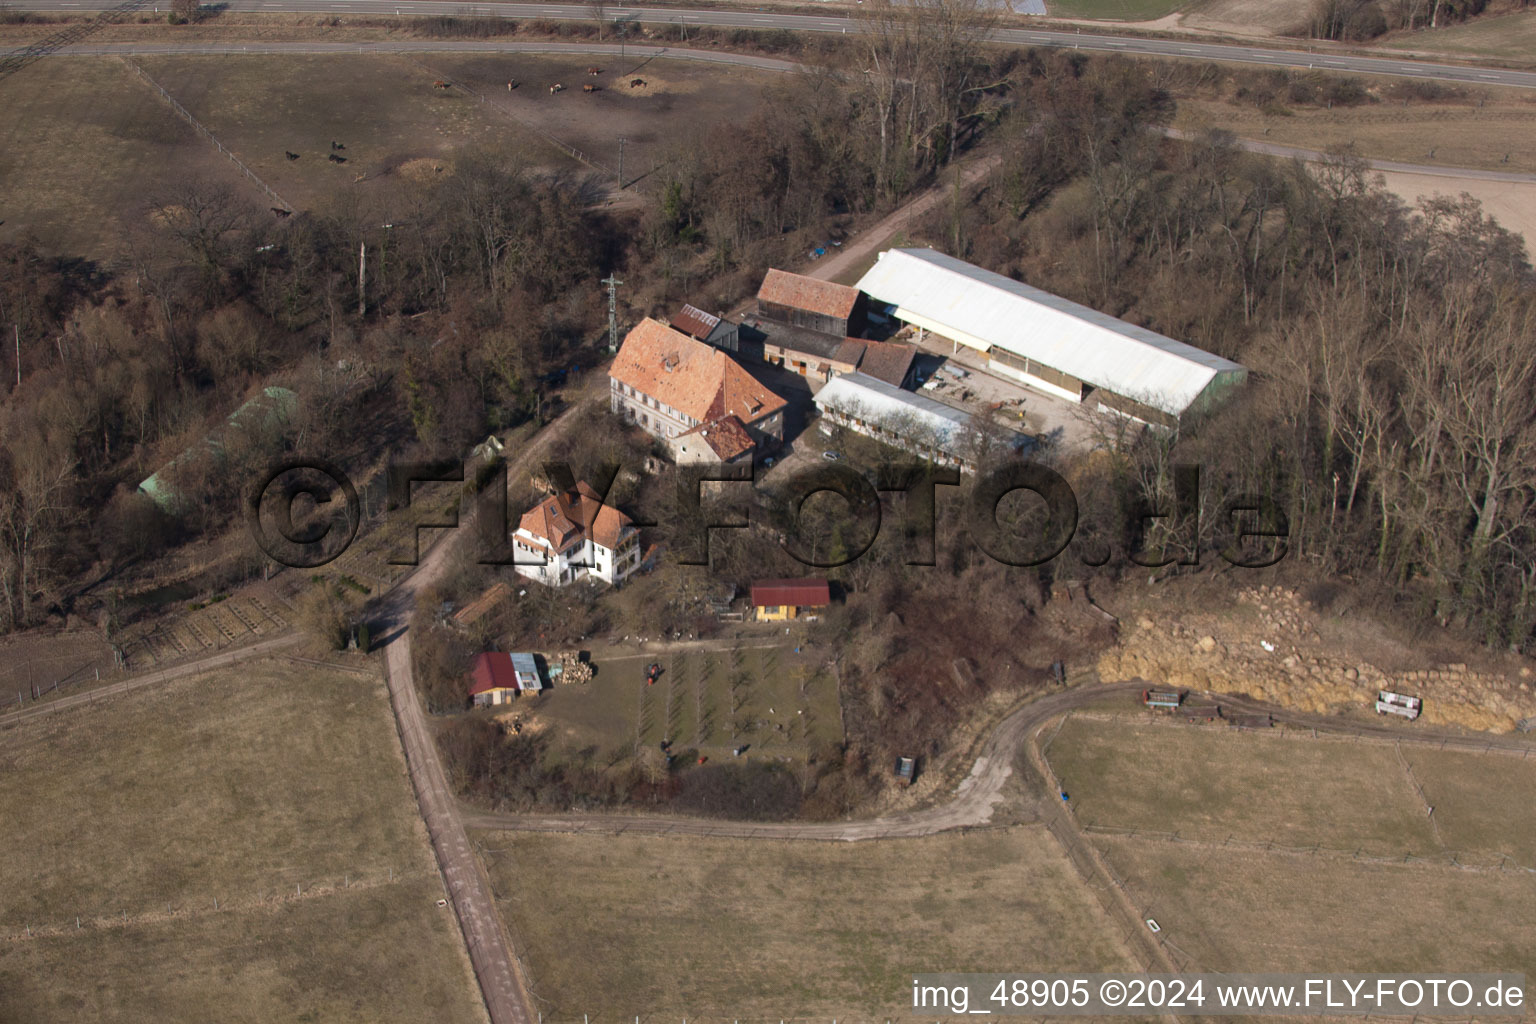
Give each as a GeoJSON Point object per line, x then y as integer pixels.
{"type": "Point", "coordinates": [1327, 60]}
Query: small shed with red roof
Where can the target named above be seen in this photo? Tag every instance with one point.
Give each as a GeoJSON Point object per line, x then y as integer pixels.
{"type": "Point", "coordinates": [782, 600]}
{"type": "Point", "coordinates": [497, 678]}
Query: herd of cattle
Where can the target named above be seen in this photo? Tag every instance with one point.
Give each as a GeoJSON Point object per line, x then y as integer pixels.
{"type": "Point", "coordinates": [634, 83]}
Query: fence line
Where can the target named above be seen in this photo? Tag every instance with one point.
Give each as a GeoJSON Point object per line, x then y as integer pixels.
{"type": "Point", "coordinates": [1451, 858]}
{"type": "Point", "coordinates": [198, 126]}
{"type": "Point", "coordinates": [181, 908]}
{"type": "Point", "coordinates": [716, 1017]}
{"type": "Point", "coordinates": [1339, 733]}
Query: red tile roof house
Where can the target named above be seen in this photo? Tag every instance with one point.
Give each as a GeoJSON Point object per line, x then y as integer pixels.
{"type": "Point", "coordinates": [781, 600]}
{"type": "Point", "coordinates": [669, 384]}
{"type": "Point", "coordinates": [836, 309]}
{"type": "Point", "coordinates": [723, 441]}
{"type": "Point", "coordinates": [572, 535]}
{"type": "Point", "coordinates": [497, 678]}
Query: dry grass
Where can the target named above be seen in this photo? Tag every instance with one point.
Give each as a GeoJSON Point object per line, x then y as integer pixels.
{"type": "Point", "coordinates": [1211, 782]}
{"type": "Point", "coordinates": [1471, 811]}
{"type": "Point", "coordinates": [753, 929]}
{"type": "Point", "coordinates": [384, 109]}
{"type": "Point", "coordinates": [87, 144]}
{"type": "Point", "coordinates": [1235, 910]}
{"type": "Point", "coordinates": [1114, 10]}
{"type": "Point", "coordinates": [370, 956]}
{"type": "Point", "coordinates": [1246, 17]}
{"type": "Point", "coordinates": [1458, 134]}
{"type": "Point", "coordinates": [691, 704]}
{"type": "Point", "coordinates": [81, 144]}
{"type": "Point", "coordinates": [137, 814]}
{"type": "Point", "coordinates": [1510, 36]}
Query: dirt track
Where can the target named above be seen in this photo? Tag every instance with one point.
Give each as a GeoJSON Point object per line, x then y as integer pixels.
{"type": "Point", "coordinates": [977, 795]}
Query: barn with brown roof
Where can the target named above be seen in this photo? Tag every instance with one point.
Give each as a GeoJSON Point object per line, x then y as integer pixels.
{"type": "Point", "coordinates": [806, 302]}
{"type": "Point", "coordinates": [669, 384]}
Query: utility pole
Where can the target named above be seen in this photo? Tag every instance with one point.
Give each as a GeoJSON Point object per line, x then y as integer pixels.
{"type": "Point", "coordinates": [620, 181]}
{"type": "Point", "coordinates": [362, 279]}
{"type": "Point", "coordinates": [613, 312]}
{"type": "Point", "coordinates": [18, 354]}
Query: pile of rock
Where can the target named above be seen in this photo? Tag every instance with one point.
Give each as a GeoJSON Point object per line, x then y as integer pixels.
{"type": "Point", "coordinates": [1281, 658]}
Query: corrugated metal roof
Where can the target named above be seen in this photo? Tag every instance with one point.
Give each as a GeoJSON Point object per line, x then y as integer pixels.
{"type": "Point", "coordinates": [980, 308]}
{"type": "Point", "coordinates": [916, 417]}
{"type": "Point", "coordinates": [694, 322]}
{"type": "Point", "coordinates": [875, 400]}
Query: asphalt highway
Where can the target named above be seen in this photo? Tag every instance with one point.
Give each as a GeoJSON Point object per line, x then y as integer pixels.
{"type": "Point", "coordinates": [764, 19]}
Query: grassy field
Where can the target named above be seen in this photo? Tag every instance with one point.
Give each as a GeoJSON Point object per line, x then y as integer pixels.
{"type": "Point", "coordinates": [1509, 36]}
{"type": "Point", "coordinates": [236, 831]}
{"type": "Point", "coordinates": [1211, 782]}
{"type": "Point", "coordinates": [81, 143]}
{"type": "Point", "coordinates": [779, 703]}
{"type": "Point", "coordinates": [674, 106]}
{"type": "Point", "coordinates": [1444, 134]}
{"type": "Point", "coordinates": [1114, 10]}
{"type": "Point", "coordinates": [1232, 910]}
{"type": "Point", "coordinates": [87, 143]}
{"type": "Point", "coordinates": [751, 929]}
{"type": "Point", "coordinates": [383, 108]}
{"type": "Point", "coordinates": [1471, 813]}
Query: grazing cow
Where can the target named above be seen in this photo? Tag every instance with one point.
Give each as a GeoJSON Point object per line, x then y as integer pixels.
{"type": "Point", "coordinates": [439, 85]}
{"type": "Point", "coordinates": [336, 145]}
{"type": "Point", "coordinates": [290, 156]}
{"type": "Point", "coordinates": [594, 71]}
{"type": "Point", "coordinates": [589, 88]}
{"type": "Point", "coordinates": [513, 85]}
{"type": "Point", "coordinates": [636, 83]}
{"type": "Point", "coordinates": [333, 158]}
{"type": "Point", "coordinates": [557, 87]}
{"type": "Point", "coordinates": [281, 213]}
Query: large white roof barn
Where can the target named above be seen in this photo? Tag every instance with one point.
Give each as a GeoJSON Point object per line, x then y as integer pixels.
{"type": "Point", "coordinates": [1048, 342]}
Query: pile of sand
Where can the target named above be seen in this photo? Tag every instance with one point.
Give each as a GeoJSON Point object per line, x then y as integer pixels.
{"type": "Point", "coordinates": [425, 168]}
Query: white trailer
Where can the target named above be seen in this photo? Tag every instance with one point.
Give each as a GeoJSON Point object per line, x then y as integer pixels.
{"type": "Point", "coordinates": [1389, 703]}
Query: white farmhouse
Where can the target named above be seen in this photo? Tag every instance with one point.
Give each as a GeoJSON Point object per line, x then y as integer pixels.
{"type": "Point", "coordinates": [571, 535]}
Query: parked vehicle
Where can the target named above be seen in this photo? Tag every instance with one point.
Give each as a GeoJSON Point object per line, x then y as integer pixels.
{"type": "Point", "coordinates": [831, 456]}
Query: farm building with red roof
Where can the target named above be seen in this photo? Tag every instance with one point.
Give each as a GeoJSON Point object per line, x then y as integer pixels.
{"type": "Point", "coordinates": [781, 600]}
{"type": "Point", "coordinates": [497, 677]}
